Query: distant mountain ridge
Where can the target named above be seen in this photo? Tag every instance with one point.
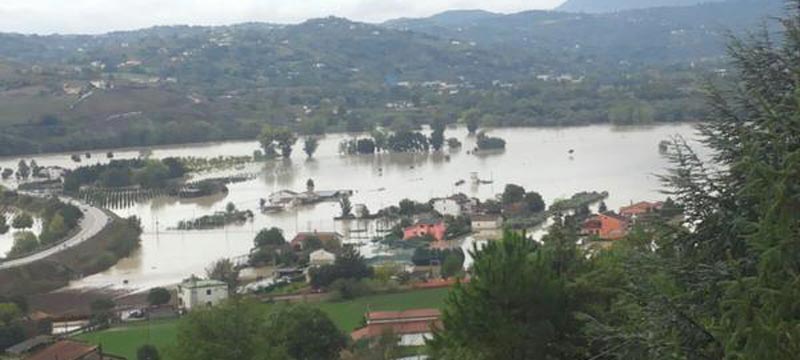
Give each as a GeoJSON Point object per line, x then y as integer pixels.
{"type": "Point", "coordinates": [177, 84]}
{"type": "Point", "coordinates": [607, 6]}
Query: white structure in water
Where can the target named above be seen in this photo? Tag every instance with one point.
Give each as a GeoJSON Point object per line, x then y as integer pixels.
{"type": "Point", "coordinates": [194, 292]}
{"type": "Point", "coordinates": [321, 258]}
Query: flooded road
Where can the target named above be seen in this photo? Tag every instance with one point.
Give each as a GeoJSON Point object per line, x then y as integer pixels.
{"type": "Point", "coordinates": [622, 161]}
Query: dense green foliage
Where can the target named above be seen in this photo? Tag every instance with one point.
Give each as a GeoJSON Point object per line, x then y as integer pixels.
{"type": "Point", "coordinates": [11, 329]}
{"type": "Point", "coordinates": [232, 331]}
{"type": "Point", "coordinates": [219, 219]}
{"type": "Point", "coordinates": [22, 220]}
{"type": "Point", "coordinates": [122, 173]}
{"type": "Point", "coordinates": [306, 333]}
{"type": "Point", "coordinates": [349, 264]}
{"type": "Point", "coordinates": [239, 329]}
{"type": "Point", "coordinates": [486, 142]}
{"type": "Point", "coordinates": [58, 220]}
{"type": "Point", "coordinates": [148, 352]}
{"type": "Point", "coordinates": [4, 227]}
{"type": "Point", "coordinates": [158, 296]}
{"type": "Point", "coordinates": [226, 271]}
{"type": "Point", "coordinates": [516, 306]}
{"type": "Point", "coordinates": [25, 242]}
{"type": "Point", "coordinates": [270, 247]}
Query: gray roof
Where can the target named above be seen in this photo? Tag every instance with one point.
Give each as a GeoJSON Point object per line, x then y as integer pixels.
{"type": "Point", "coordinates": [199, 283]}
{"type": "Point", "coordinates": [30, 344]}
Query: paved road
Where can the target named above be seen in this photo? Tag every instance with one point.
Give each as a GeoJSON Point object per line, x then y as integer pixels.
{"type": "Point", "coordinates": [93, 221]}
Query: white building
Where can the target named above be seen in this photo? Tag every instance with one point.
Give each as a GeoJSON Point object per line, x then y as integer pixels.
{"type": "Point", "coordinates": [321, 258]}
{"type": "Point", "coordinates": [486, 222]}
{"type": "Point", "coordinates": [194, 292]}
{"type": "Point", "coordinates": [447, 206]}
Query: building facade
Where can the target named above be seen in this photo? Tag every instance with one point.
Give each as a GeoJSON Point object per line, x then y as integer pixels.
{"type": "Point", "coordinates": [429, 227]}
{"type": "Point", "coordinates": [194, 292]}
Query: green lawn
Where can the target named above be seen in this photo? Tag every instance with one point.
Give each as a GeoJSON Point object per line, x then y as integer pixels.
{"type": "Point", "coordinates": [346, 314]}
{"type": "Point", "coordinates": [124, 341]}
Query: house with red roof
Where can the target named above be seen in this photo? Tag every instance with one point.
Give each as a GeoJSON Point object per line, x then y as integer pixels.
{"type": "Point", "coordinates": [71, 350]}
{"type": "Point", "coordinates": [641, 208]}
{"type": "Point", "coordinates": [434, 228]}
{"type": "Point", "coordinates": [412, 327]}
{"type": "Point", "coordinates": [606, 226]}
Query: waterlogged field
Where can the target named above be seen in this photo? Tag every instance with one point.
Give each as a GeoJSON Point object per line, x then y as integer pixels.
{"type": "Point", "coordinates": [347, 315]}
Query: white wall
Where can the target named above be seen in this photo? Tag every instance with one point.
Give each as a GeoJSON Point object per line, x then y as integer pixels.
{"type": "Point", "coordinates": [200, 297]}
{"type": "Point", "coordinates": [447, 207]}
{"type": "Point", "coordinates": [414, 339]}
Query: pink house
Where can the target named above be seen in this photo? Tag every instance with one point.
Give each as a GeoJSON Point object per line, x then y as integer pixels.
{"type": "Point", "coordinates": [434, 228]}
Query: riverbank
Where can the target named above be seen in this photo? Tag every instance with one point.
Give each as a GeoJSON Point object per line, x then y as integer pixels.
{"type": "Point", "coordinates": [621, 161]}
{"type": "Point", "coordinates": [93, 255]}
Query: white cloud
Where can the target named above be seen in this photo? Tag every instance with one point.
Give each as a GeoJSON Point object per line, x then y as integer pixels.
{"type": "Point", "coordinates": [97, 16]}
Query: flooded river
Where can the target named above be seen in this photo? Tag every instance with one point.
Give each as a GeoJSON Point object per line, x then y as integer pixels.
{"type": "Point", "coordinates": [622, 161]}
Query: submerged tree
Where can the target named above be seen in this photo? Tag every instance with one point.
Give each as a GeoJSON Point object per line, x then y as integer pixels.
{"type": "Point", "coordinates": [310, 146]}
{"type": "Point", "coordinates": [437, 135]}
{"type": "Point", "coordinates": [274, 139]}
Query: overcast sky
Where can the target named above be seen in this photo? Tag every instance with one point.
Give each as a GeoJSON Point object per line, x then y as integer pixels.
{"type": "Point", "coordinates": [98, 16]}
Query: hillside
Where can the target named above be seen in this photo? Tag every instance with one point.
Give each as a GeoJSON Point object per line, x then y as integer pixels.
{"type": "Point", "coordinates": [636, 37]}
{"type": "Point", "coordinates": [607, 6]}
{"type": "Point", "coordinates": [176, 84]}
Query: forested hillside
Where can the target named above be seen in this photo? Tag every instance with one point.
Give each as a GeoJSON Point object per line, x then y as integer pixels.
{"type": "Point", "coordinates": [604, 6]}
{"type": "Point", "coordinates": [181, 84]}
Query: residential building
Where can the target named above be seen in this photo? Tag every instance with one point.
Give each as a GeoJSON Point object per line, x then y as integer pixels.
{"type": "Point", "coordinates": [455, 205]}
{"type": "Point", "coordinates": [328, 239]}
{"type": "Point", "coordinates": [194, 292]}
{"type": "Point", "coordinates": [321, 258]}
{"type": "Point", "coordinates": [426, 227]}
{"type": "Point", "coordinates": [30, 346]}
{"type": "Point", "coordinates": [413, 327]}
{"type": "Point", "coordinates": [606, 226]}
{"type": "Point", "coordinates": [283, 197]}
{"type": "Point", "coordinates": [486, 222]}
{"type": "Point", "coordinates": [636, 210]}
{"type": "Point", "coordinates": [71, 350]}
{"type": "Point", "coordinates": [447, 206]}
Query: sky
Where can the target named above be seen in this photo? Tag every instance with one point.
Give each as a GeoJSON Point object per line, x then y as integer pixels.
{"type": "Point", "coordinates": [99, 16]}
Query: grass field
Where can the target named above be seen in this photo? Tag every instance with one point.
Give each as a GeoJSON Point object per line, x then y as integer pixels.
{"type": "Point", "coordinates": [346, 314]}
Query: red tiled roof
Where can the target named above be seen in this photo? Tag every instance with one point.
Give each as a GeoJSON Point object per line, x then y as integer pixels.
{"type": "Point", "coordinates": [64, 350]}
{"type": "Point", "coordinates": [641, 207]}
{"type": "Point", "coordinates": [413, 327]}
{"type": "Point", "coordinates": [401, 315]}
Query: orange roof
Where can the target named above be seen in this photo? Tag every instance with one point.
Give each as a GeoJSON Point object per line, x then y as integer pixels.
{"type": "Point", "coordinates": [413, 327]}
{"type": "Point", "coordinates": [608, 226]}
{"type": "Point", "coordinates": [64, 350]}
{"type": "Point", "coordinates": [403, 315]}
{"type": "Point", "coordinates": [639, 208]}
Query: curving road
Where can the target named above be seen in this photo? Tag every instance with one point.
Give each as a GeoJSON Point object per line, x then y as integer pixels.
{"type": "Point", "coordinates": [94, 220]}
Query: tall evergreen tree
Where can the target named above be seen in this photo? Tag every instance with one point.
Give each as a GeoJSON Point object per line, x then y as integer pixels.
{"type": "Point", "coordinates": [515, 306]}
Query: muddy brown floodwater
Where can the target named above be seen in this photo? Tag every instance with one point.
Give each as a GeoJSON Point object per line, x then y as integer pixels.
{"type": "Point", "coordinates": [622, 161]}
